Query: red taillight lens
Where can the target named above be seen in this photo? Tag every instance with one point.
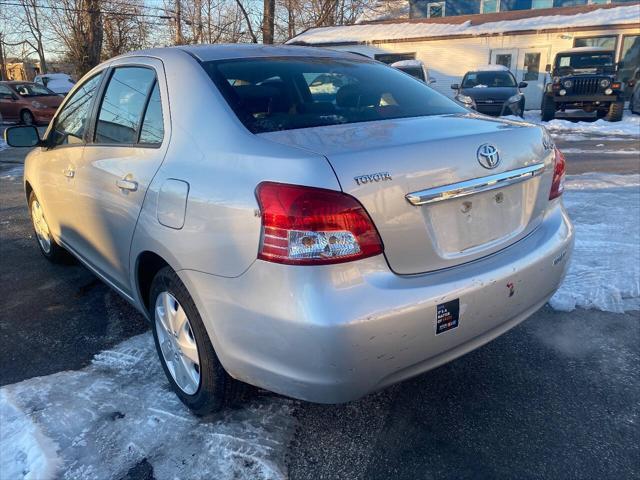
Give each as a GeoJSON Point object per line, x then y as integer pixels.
{"type": "Point", "coordinates": [313, 226]}
{"type": "Point", "coordinates": [559, 169]}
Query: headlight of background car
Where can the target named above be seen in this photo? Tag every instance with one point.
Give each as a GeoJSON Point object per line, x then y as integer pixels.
{"type": "Point", "coordinates": [36, 104]}
{"type": "Point", "coordinates": [604, 83]}
{"type": "Point", "coordinates": [567, 84]}
{"type": "Point", "coordinates": [467, 100]}
{"type": "Point", "coordinates": [515, 98]}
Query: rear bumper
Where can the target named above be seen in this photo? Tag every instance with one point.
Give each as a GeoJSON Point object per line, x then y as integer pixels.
{"type": "Point", "coordinates": [335, 333]}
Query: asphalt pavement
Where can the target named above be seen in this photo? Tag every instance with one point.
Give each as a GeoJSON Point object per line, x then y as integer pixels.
{"type": "Point", "coordinates": [556, 397]}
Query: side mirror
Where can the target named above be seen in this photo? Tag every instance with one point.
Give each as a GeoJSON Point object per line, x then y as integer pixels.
{"type": "Point", "coordinates": [23, 136]}
{"type": "Point", "coordinates": [522, 85]}
{"type": "Point", "coordinates": [455, 86]}
{"type": "Point", "coordinates": [547, 68]}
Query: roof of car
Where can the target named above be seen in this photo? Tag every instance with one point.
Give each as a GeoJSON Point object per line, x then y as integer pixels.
{"type": "Point", "coordinates": [15, 82]}
{"type": "Point", "coordinates": [205, 53]}
{"type": "Point", "coordinates": [489, 68]}
{"type": "Point", "coordinates": [585, 49]}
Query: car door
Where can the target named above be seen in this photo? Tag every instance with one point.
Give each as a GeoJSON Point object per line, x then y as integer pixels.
{"type": "Point", "coordinates": [9, 105]}
{"type": "Point", "coordinates": [55, 173]}
{"type": "Point", "coordinates": [127, 147]}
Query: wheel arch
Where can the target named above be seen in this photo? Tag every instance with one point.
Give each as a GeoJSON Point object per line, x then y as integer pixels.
{"type": "Point", "coordinates": [27, 189]}
{"type": "Point", "coordinates": [148, 264]}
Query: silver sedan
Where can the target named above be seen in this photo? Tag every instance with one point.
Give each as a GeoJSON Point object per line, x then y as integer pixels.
{"type": "Point", "coordinates": [310, 222]}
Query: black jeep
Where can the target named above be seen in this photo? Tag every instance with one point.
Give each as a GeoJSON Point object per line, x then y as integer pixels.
{"type": "Point", "coordinates": [584, 78]}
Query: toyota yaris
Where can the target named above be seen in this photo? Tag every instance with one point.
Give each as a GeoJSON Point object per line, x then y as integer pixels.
{"type": "Point", "coordinates": [310, 222]}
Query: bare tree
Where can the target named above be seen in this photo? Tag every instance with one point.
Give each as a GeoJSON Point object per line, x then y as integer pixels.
{"type": "Point", "coordinates": [268, 21]}
{"type": "Point", "coordinates": [35, 38]}
{"type": "Point", "coordinates": [124, 28]}
{"type": "Point", "coordinates": [78, 25]}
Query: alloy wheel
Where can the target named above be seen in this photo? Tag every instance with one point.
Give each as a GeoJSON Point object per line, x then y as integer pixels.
{"type": "Point", "coordinates": [177, 343]}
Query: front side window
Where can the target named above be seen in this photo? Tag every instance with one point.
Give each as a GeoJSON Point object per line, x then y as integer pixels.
{"type": "Point", "coordinates": [71, 122]}
{"type": "Point", "coordinates": [124, 101]}
{"type": "Point", "coordinates": [488, 80]}
{"type": "Point", "coordinates": [5, 92]}
{"type": "Point", "coordinates": [286, 93]}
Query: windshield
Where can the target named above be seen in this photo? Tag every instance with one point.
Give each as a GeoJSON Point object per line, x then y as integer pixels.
{"type": "Point", "coordinates": [289, 92]}
{"type": "Point", "coordinates": [584, 61]}
{"type": "Point", "coordinates": [488, 80]}
{"type": "Point", "coordinates": [32, 90]}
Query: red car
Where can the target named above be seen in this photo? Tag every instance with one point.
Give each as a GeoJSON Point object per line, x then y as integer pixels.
{"type": "Point", "coordinates": [27, 102]}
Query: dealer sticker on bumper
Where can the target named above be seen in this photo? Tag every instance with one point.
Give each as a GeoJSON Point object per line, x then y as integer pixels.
{"type": "Point", "coordinates": [447, 316]}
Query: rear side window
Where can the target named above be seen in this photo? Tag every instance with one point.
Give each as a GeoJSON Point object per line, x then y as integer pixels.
{"type": "Point", "coordinates": [152, 131]}
{"type": "Point", "coordinates": [283, 93]}
{"type": "Point", "coordinates": [123, 105]}
{"type": "Point", "coordinates": [71, 122]}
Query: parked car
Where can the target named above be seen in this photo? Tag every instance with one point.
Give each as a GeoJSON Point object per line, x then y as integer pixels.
{"type": "Point", "coordinates": [415, 68]}
{"type": "Point", "coordinates": [492, 90]}
{"type": "Point", "coordinates": [584, 78]}
{"type": "Point", "coordinates": [322, 249]}
{"type": "Point", "coordinates": [634, 99]}
{"type": "Point", "coordinates": [60, 83]}
{"type": "Point", "coordinates": [27, 103]}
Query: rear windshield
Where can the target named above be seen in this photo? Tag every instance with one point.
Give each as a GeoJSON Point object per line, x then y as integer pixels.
{"type": "Point", "coordinates": [269, 94]}
{"type": "Point", "coordinates": [488, 80]}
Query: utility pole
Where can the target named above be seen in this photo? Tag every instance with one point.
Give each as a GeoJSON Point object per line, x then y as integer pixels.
{"type": "Point", "coordinates": [179, 40]}
{"type": "Point", "coordinates": [3, 65]}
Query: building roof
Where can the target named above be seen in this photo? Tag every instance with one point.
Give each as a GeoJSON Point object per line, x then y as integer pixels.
{"type": "Point", "coordinates": [515, 21]}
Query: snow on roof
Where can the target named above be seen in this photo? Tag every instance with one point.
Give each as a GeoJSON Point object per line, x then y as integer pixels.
{"type": "Point", "coordinates": [408, 63]}
{"type": "Point", "coordinates": [411, 29]}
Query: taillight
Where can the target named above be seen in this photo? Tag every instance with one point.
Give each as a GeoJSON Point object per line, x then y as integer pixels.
{"type": "Point", "coordinates": [313, 226]}
{"type": "Point", "coordinates": [559, 169]}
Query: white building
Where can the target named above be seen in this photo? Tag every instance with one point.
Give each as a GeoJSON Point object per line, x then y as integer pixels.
{"type": "Point", "coordinates": [523, 40]}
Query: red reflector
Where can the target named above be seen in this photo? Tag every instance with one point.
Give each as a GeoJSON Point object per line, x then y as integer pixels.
{"type": "Point", "coordinates": [312, 226]}
{"type": "Point", "coordinates": [559, 169]}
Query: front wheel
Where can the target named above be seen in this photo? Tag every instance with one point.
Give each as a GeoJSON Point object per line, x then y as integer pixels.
{"type": "Point", "coordinates": [616, 110]}
{"type": "Point", "coordinates": [48, 246]}
{"type": "Point", "coordinates": [185, 350]}
{"type": "Point", "coordinates": [548, 109]}
{"type": "Point", "coordinates": [26, 117]}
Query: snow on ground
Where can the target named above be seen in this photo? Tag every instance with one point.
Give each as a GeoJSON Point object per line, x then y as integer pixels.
{"type": "Point", "coordinates": [605, 267]}
{"type": "Point", "coordinates": [101, 421]}
{"type": "Point", "coordinates": [402, 30]}
{"type": "Point", "coordinates": [629, 126]}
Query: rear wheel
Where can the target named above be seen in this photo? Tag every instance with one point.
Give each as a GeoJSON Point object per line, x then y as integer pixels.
{"type": "Point", "coordinates": [185, 350]}
{"type": "Point", "coordinates": [26, 117]}
{"type": "Point", "coordinates": [48, 246]}
{"type": "Point", "coordinates": [548, 109]}
{"type": "Point", "coordinates": [616, 110]}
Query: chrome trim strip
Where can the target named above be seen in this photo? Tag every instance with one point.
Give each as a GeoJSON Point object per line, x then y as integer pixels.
{"type": "Point", "coordinates": [477, 185]}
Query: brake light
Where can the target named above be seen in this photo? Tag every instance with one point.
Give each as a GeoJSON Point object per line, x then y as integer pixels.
{"type": "Point", "coordinates": [313, 226]}
{"type": "Point", "coordinates": [559, 169]}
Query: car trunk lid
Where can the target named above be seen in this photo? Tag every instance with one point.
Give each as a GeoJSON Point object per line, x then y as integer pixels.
{"type": "Point", "coordinates": [387, 164]}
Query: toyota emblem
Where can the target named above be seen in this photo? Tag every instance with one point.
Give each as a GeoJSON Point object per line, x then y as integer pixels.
{"type": "Point", "coordinates": [488, 156]}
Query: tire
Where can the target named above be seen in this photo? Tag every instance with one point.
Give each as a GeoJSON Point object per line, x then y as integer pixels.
{"type": "Point", "coordinates": [548, 109]}
{"type": "Point", "coordinates": [47, 245]}
{"type": "Point", "coordinates": [214, 389]}
{"type": "Point", "coordinates": [26, 118]}
{"type": "Point", "coordinates": [631, 100]}
{"type": "Point", "coordinates": [615, 112]}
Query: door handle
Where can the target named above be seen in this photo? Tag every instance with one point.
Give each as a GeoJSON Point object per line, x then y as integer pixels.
{"type": "Point", "coordinates": [126, 184]}
{"type": "Point", "coordinates": [69, 172]}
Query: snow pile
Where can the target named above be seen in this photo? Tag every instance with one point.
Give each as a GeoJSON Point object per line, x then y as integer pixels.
{"type": "Point", "coordinates": [629, 126]}
{"type": "Point", "coordinates": [119, 412]}
{"type": "Point", "coordinates": [402, 30]}
{"type": "Point", "coordinates": [605, 266]}
{"type": "Point", "coordinates": [408, 63]}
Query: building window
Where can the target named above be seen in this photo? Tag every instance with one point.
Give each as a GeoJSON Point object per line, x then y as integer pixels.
{"type": "Point", "coordinates": [630, 56]}
{"type": "Point", "coordinates": [436, 9]}
{"type": "Point", "coordinates": [605, 41]}
{"type": "Point", "coordinates": [390, 58]}
{"type": "Point", "coordinates": [541, 4]}
{"type": "Point", "coordinates": [489, 6]}
{"type": "Point", "coordinates": [504, 59]}
{"type": "Point", "coordinates": [597, 2]}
